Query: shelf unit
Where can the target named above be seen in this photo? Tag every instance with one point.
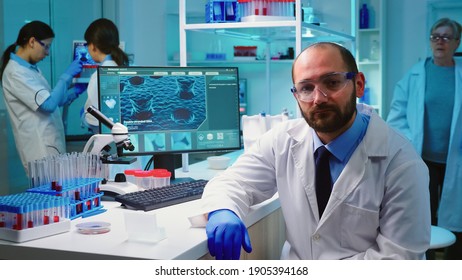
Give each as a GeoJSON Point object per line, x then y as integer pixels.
{"type": "Point", "coordinates": [299, 33]}
{"type": "Point", "coordinates": [372, 67]}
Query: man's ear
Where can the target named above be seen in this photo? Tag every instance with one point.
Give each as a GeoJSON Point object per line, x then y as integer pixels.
{"type": "Point", "coordinates": [360, 82]}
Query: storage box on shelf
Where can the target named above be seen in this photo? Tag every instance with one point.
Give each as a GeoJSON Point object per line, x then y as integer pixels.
{"type": "Point", "coordinates": [221, 11]}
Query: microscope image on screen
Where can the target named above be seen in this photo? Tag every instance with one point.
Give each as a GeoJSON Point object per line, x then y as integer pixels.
{"type": "Point", "coordinates": [181, 141]}
{"type": "Point", "coordinates": [81, 53]}
{"type": "Point", "coordinates": [178, 102]}
{"type": "Point", "coordinates": [155, 141]}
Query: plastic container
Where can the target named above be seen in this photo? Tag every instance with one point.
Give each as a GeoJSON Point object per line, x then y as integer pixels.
{"type": "Point", "coordinates": [143, 179]}
{"type": "Point", "coordinates": [160, 178]}
{"type": "Point", "coordinates": [218, 162]}
{"type": "Point", "coordinates": [252, 128]}
{"type": "Point", "coordinates": [364, 17]}
{"type": "Point", "coordinates": [130, 175]}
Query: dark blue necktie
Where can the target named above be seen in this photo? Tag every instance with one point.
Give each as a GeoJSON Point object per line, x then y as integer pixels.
{"type": "Point", "coordinates": [323, 179]}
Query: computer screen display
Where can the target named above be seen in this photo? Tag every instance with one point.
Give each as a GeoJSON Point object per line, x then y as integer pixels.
{"type": "Point", "coordinates": [173, 109]}
{"type": "Point", "coordinates": [80, 52]}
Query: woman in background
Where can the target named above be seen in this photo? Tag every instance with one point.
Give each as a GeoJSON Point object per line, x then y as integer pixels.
{"type": "Point", "coordinates": [102, 38]}
{"type": "Point", "coordinates": [33, 106]}
{"type": "Point", "coordinates": [427, 109]}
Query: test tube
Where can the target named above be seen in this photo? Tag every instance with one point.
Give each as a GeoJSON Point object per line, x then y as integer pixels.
{"type": "Point", "coordinates": [30, 216]}
{"type": "Point", "coordinates": [2, 216]}
{"type": "Point", "coordinates": [55, 211]}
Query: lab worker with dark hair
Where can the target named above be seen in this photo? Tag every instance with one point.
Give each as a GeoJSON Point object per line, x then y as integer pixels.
{"type": "Point", "coordinates": [349, 186]}
{"type": "Point", "coordinates": [33, 106]}
{"type": "Point", "coordinates": [103, 45]}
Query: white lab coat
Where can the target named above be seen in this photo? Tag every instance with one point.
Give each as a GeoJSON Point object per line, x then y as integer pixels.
{"type": "Point", "coordinates": [37, 134]}
{"type": "Point", "coordinates": [378, 209]}
{"type": "Point", "coordinates": [407, 115]}
{"type": "Point", "coordinates": [92, 91]}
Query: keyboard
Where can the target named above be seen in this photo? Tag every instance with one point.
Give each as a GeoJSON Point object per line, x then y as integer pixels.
{"type": "Point", "coordinates": [173, 194]}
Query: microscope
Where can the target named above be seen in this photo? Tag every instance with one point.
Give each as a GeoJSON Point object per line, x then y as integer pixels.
{"type": "Point", "coordinates": [99, 144]}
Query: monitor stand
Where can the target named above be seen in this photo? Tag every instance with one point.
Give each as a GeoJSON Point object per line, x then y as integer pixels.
{"type": "Point", "coordinates": [167, 161]}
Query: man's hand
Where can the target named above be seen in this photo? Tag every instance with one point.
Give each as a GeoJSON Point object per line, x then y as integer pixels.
{"type": "Point", "coordinates": [226, 233]}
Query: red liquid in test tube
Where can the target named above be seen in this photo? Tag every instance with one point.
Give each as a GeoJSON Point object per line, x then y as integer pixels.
{"type": "Point", "coordinates": [77, 195]}
{"type": "Point", "coordinates": [2, 220]}
{"type": "Point", "coordinates": [79, 208]}
{"type": "Point", "coordinates": [46, 218]}
{"type": "Point", "coordinates": [18, 224]}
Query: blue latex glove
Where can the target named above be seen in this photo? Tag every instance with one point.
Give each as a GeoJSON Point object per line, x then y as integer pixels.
{"type": "Point", "coordinates": [79, 88]}
{"type": "Point", "coordinates": [75, 68]}
{"type": "Point", "coordinates": [226, 233]}
{"type": "Point", "coordinates": [74, 92]}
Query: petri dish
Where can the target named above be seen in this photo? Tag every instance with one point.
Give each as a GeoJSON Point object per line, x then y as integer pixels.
{"type": "Point", "coordinates": [93, 227]}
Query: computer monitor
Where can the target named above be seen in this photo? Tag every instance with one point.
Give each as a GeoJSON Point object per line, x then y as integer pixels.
{"type": "Point", "coordinates": [172, 110]}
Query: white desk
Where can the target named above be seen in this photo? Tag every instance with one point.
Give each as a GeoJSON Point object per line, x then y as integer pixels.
{"type": "Point", "coordinates": [182, 242]}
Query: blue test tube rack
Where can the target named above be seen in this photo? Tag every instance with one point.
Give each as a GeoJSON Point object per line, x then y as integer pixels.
{"type": "Point", "coordinates": [27, 216]}
{"type": "Point", "coordinates": [83, 193]}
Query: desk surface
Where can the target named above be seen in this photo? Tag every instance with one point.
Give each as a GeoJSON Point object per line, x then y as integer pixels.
{"type": "Point", "coordinates": [182, 242]}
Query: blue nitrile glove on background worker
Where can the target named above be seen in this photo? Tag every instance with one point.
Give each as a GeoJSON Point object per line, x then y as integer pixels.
{"type": "Point", "coordinates": [75, 91]}
{"type": "Point", "coordinates": [74, 68]}
{"type": "Point", "coordinates": [226, 233]}
{"type": "Point", "coordinates": [59, 96]}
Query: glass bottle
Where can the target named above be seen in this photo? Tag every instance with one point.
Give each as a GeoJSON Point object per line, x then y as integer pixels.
{"type": "Point", "coordinates": [364, 17]}
{"type": "Point", "coordinates": [375, 51]}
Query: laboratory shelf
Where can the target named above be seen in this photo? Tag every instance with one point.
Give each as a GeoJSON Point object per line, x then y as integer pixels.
{"type": "Point", "coordinates": [293, 32]}
{"type": "Point", "coordinates": [270, 31]}
{"type": "Point", "coordinates": [368, 62]}
{"type": "Point", "coordinates": [231, 61]}
{"type": "Point", "coordinates": [369, 30]}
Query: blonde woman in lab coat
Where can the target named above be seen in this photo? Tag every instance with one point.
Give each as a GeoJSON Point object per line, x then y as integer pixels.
{"type": "Point", "coordinates": [378, 208]}
{"type": "Point", "coordinates": [33, 106]}
{"type": "Point", "coordinates": [103, 43]}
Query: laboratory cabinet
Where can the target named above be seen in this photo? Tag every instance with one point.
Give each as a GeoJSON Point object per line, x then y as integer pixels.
{"type": "Point", "coordinates": [370, 52]}
{"type": "Point", "coordinates": [269, 80]}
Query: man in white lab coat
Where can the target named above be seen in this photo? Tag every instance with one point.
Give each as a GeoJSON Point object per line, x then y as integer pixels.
{"type": "Point", "coordinates": [379, 202]}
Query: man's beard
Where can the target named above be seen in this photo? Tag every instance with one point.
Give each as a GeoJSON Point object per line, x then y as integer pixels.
{"type": "Point", "coordinates": [334, 122]}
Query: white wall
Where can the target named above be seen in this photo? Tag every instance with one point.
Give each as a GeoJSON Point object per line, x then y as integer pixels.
{"type": "Point", "coordinates": [142, 26]}
{"type": "Point", "coordinates": [406, 40]}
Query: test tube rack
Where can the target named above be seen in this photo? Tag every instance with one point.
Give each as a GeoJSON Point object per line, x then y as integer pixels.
{"type": "Point", "coordinates": [27, 216]}
{"type": "Point", "coordinates": [83, 193]}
